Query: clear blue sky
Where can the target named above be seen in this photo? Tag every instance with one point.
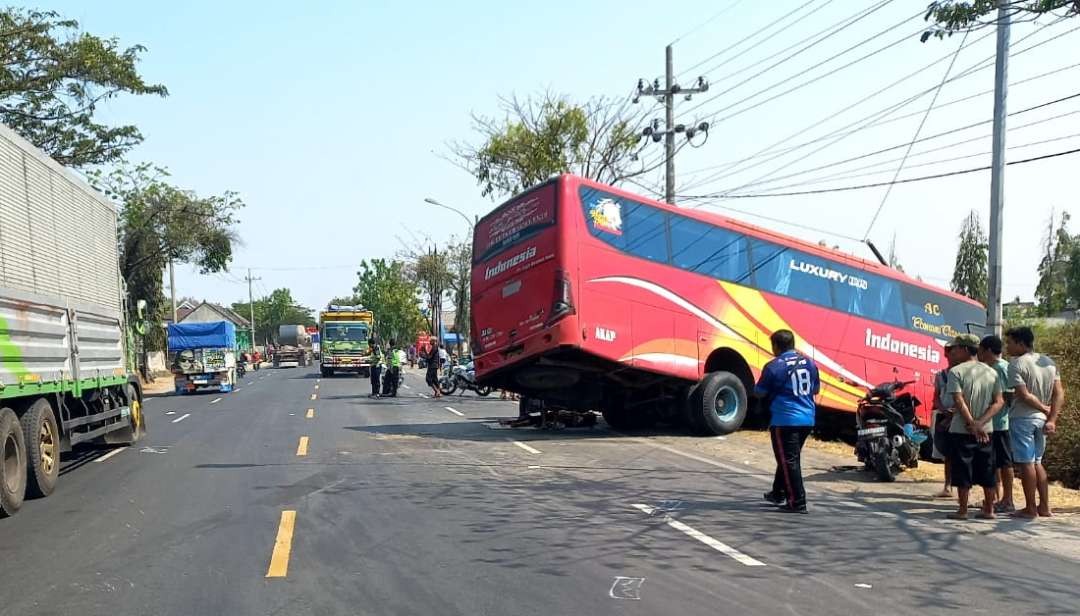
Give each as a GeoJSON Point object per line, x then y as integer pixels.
{"type": "Point", "coordinates": [328, 118]}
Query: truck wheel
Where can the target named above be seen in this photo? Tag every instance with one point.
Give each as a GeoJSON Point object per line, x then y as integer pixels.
{"type": "Point", "coordinates": [326, 372]}
{"type": "Point", "coordinates": [138, 417]}
{"type": "Point", "coordinates": [42, 439]}
{"type": "Point", "coordinates": [12, 463]}
{"type": "Point", "coordinates": [721, 403]}
{"type": "Point", "coordinates": [136, 427]}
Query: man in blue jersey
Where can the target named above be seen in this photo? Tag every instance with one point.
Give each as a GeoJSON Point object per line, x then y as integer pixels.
{"type": "Point", "coordinates": [788, 385]}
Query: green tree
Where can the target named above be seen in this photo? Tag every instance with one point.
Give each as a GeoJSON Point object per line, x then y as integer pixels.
{"type": "Point", "coordinates": [1052, 291]}
{"type": "Point", "coordinates": [274, 310]}
{"type": "Point", "coordinates": [1072, 273]}
{"type": "Point", "coordinates": [970, 270]}
{"type": "Point", "coordinates": [545, 135]}
{"type": "Point", "coordinates": [430, 274]}
{"type": "Point", "coordinates": [52, 78]}
{"type": "Point", "coordinates": [385, 288]}
{"type": "Point", "coordinates": [160, 223]}
{"type": "Point", "coordinates": [459, 266]}
{"type": "Point", "coordinates": [949, 16]}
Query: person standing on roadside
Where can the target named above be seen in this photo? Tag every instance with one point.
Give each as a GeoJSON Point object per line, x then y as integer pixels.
{"type": "Point", "coordinates": [376, 367]}
{"type": "Point", "coordinates": [990, 354]}
{"type": "Point", "coordinates": [431, 377]}
{"type": "Point", "coordinates": [977, 395]}
{"type": "Point", "coordinates": [788, 384]}
{"type": "Point", "coordinates": [393, 362]}
{"type": "Point", "coordinates": [942, 418]}
{"type": "Point", "coordinates": [1037, 399]}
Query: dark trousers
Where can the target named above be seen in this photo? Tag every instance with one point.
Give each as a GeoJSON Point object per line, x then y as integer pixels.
{"type": "Point", "coordinates": [375, 372]}
{"type": "Point", "coordinates": [390, 381]}
{"type": "Point", "coordinates": [787, 444]}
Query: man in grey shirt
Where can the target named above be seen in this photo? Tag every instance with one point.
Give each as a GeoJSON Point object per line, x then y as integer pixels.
{"type": "Point", "coordinates": [1037, 398]}
{"type": "Point", "coordinates": [977, 396]}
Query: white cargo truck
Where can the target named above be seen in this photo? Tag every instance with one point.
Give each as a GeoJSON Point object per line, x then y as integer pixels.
{"type": "Point", "coordinates": [65, 357]}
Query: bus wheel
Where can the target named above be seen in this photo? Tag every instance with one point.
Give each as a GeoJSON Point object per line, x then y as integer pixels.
{"type": "Point", "coordinates": [720, 403]}
{"type": "Point", "coordinates": [42, 439]}
{"type": "Point", "coordinates": [12, 463]}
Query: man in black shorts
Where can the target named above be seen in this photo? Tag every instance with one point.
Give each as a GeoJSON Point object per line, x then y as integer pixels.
{"type": "Point", "coordinates": [990, 354]}
{"type": "Point", "coordinates": [977, 394]}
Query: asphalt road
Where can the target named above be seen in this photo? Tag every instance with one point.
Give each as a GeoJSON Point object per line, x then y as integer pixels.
{"type": "Point", "coordinates": [404, 506]}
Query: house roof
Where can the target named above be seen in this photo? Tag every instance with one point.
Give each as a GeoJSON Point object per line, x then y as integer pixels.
{"type": "Point", "coordinates": [226, 313]}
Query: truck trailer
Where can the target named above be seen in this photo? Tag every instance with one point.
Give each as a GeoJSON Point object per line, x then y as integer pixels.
{"type": "Point", "coordinates": [203, 356]}
{"type": "Point", "coordinates": [66, 347]}
{"type": "Point", "coordinates": [294, 347]}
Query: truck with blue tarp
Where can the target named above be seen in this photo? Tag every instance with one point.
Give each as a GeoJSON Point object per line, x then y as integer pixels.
{"type": "Point", "coordinates": [67, 339]}
{"type": "Point", "coordinates": [203, 356]}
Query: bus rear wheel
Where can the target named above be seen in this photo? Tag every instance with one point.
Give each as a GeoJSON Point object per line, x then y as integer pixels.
{"type": "Point", "coordinates": [718, 406]}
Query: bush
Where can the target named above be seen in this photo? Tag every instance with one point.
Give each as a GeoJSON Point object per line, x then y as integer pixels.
{"type": "Point", "coordinates": [1062, 460]}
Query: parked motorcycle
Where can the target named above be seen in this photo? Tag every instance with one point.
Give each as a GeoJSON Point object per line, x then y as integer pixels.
{"type": "Point", "coordinates": [462, 377]}
{"type": "Point", "coordinates": [888, 433]}
{"type": "Point", "coordinates": [241, 368]}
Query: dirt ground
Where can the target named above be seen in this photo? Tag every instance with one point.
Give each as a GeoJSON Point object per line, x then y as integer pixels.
{"type": "Point", "coordinates": [838, 458]}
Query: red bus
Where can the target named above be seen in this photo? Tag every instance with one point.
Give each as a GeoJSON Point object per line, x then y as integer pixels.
{"type": "Point", "coordinates": [587, 297]}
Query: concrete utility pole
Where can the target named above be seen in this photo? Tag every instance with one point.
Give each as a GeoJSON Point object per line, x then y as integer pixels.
{"type": "Point", "coordinates": [667, 94]}
{"type": "Point", "coordinates": [669, 121]}
{"type": "Point", "coordinates": [172, 289]}
{"type": "Point", "coordinates": [251, 306]}
{"type": "Point", "coordinates": [997, 171]}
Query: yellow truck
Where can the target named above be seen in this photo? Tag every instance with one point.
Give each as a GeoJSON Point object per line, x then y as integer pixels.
{"type": "Point", "coordinates": [343, 338]}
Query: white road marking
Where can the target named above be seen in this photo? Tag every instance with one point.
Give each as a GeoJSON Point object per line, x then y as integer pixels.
{"type": "Point", "coordinates": [854, 504]}
{"type": "Point", "coordinates": [405, 386]}
{"type": "Point", "coordinates": [111, 454]}
{"type": "Point", "coordinates": [626, 588]}
{"type": "Point", "coordinates": [215, 401]}
{"type": "Point", "coordinates": [170, 412]}
{"type": "Point", "coordinates": [181, 418]}
{"type": "Point", "coordinates": [702, 537]}
{"type": "Point", "coordinates": [524, 446]}
{"type": "Point", "coordinates": [454, 411]}
{"type": "Point", "coordinates": [422, 395]}
{"type": "Point", "coordinates": [236, 389]}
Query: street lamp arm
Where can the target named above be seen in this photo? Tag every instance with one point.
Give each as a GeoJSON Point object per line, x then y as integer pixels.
{"type": "Point", "coordinates": [451, 208]}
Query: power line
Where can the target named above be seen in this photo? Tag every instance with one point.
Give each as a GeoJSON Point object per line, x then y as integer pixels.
{"type": "Point", "coordinates": [877, 184]}
{"type": "Point", "coordinates": [868, 121]}
{"type": "Point", "coordinates": [794, 54]}
{"type": "Point", "coordinates": [746, 38]}
{"type": "Point", "coordinates": [921, 140]}
{"type": "Point", "coordinates": [708, 21]}
{"type": "Point", "coordinates": [765, 39]}
{"type": "Point", "coordinates": [904, 117]}
{"type": "Point", "coordinates": [848, 175]}
{"type": "Point", "coordinates": [918, 130]}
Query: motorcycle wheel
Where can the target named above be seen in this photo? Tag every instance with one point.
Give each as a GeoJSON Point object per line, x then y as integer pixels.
{"type": "Point", "coordinates": [447, 386]}
{"type": "Point", "coordinates": [883, 466]}
{"type": "Point", "coordinates": [483, 391]}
